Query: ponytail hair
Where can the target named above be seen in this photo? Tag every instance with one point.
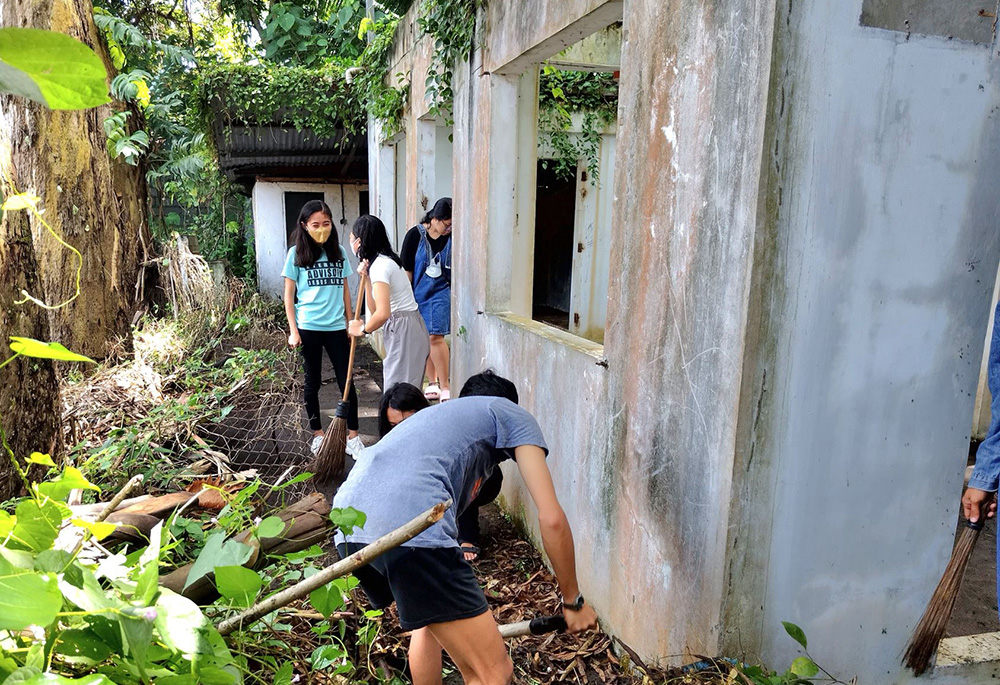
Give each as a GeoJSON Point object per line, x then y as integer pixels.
{"type": "Point", "coordinates": [440, 211]}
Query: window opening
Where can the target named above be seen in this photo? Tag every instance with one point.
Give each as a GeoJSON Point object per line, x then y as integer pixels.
{"type": "Point", "coordinates": [555, 211]}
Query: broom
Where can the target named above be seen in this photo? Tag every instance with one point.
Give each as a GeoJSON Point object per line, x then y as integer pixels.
{"type": "Point", "coordinates": [330, 458]}
{"type": "Point", "coordinates": [933, 623]}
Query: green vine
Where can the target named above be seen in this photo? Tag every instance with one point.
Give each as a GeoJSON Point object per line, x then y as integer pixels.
{"type": "Point", "coordinates": [562, 94]}
{"type": "Point", "coordinates": [381, 100]}
{"type": "Point", "coordinates": [452, 24]}
{"type": "Point", "coordinates": [263, 94]}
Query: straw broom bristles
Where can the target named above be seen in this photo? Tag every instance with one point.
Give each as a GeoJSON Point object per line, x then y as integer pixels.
{"type": "Point", "coordinates": [332, 454]}
{"type": "Point", "coordinates": [929, 631]}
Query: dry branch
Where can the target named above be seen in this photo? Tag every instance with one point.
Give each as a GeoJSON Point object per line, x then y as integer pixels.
{"type": "Point", "coordinates": [355, 561]}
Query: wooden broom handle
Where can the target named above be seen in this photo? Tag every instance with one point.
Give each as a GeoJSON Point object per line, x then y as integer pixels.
{"type": "Point", "coordinates": [354, 341]}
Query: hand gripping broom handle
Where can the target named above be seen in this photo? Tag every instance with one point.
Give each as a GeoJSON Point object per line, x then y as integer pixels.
{"type": "Point", "coordinates": [536, 626]}
{"type": "Point", "coordinates": [354, 341]}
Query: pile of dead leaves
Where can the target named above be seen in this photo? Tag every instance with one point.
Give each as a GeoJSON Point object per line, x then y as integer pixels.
{"type": "Point", "coordinates": [518, 587]}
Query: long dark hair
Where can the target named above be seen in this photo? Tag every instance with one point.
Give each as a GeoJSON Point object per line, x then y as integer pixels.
{"type": "Point", "coordinates": [440, 211]}
{"type": "Point", "coordinates": [307, 250]}
{"type": "Point", "coordinates": [401, 397]}
{"type": "Point", "coordinates": [374, 239]}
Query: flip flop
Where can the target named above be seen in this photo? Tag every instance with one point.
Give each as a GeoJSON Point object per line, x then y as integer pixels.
{"type": "Point", "coordinates": [432, 392]}
{"type": "Point", "coordinates": [469, 548]}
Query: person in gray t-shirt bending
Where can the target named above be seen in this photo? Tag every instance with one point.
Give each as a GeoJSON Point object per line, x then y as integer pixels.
{"type": "Point", "coordinates": [447, 452]}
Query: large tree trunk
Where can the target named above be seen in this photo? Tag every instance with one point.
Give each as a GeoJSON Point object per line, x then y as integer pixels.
{"type": "Point", "coordinates": [96, 204]}
{"type": "Point", "coordinates": [29, 389]}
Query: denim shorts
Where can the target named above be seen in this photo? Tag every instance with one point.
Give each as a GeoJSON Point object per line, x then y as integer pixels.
{"type": "Point", "coordinates": [437, 313]}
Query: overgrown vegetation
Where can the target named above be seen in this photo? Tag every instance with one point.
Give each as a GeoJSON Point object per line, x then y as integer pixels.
{"type": "Point", "coordinates": [590, 95]}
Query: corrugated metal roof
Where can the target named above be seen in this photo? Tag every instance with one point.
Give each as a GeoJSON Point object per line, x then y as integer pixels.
{"type": "Point", "coordinates": [248, 151]}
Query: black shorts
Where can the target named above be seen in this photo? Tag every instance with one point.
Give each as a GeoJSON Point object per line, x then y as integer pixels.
{"type": "Point", "coordinates": [428, 584]}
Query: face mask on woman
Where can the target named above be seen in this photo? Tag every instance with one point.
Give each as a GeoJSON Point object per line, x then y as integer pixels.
{"type": "Point", "coordinates": [319, 230]}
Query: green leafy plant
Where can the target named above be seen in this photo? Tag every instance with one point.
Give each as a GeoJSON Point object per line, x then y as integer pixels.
{"type": "Point", "coordinates": [562, 94]}
{"type": "Point", "coordinates": [54, 69]}
{"type": "Point", "coordinates": [451, 24]}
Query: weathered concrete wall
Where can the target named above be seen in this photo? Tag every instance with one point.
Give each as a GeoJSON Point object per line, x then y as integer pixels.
{"type": "Point", "coordinates": [642, 451]}
{"type": "Point", "coordinates": [873, 271]}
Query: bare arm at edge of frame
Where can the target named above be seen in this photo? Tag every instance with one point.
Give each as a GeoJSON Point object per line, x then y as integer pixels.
{"type": "Point", "coordinates": [557, 538]}
{"type": "Point", "coordinates": [289, 298]}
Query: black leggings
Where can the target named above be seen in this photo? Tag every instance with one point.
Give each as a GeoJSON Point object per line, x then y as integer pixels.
{"type": "Point", "coordinates": [338, 347]}
{"type": "Point", "coordinates": [468, 520]}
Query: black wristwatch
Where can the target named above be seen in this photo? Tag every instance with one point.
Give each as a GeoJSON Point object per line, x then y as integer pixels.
{"type": "Point", "coordinates": [575, 605]}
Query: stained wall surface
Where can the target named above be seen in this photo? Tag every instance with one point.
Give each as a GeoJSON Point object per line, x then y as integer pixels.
{"type": "Point", "coordinates": [873, 272]}
{"type": "Point", "coordinates": [641, 429]}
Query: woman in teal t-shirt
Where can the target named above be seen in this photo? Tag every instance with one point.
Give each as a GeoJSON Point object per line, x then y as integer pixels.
{"type": "Point", "coordinates": [318, 304]}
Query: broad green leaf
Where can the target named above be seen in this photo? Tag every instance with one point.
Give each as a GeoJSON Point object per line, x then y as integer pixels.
{"type": "Point", "coordinates": [63, 72]}
{"type": "Point", "coordinates": [22, 675]}
{"type": "Point", "coordinates": [37, 525]}
{"type": "Point", "coordinates": [7, 523]}
{"type": "Point", "coordinates": [39, 458]}
{"type": "Point", "coordinates": [218, 551]}
{"type": "Point", "coordinates": [283, 676]}
{"type": "Point", "coordinates": [30, 347]}
{"type": "Point", "coordinates": [237, 584]}
{"type": "Point", "coordinates": [804, 667]}
{"type": "Point", "coordinates": [287, 21]}
{"type": "Point", "coordinates": [366, 23]}
{"type": "Point", "coordinates": [13, 561]}
{"type": "Point", "coordinates": [82, 646]}
{"type": "Point", "coordinates": [89, 595]}
{"type": "Point", "coordinates": [28, 598]}
{"type": "Point", "coordinates": [271, 527]}
{"type": "Point", "coordinates": [59, 561]}
{"type": "Point", "coordinates": [99, 529]}
{"type": "Point", "coordinates": [325, 656]}
{"type": "Point", "coordinates": [326, 599]}
{"type": "Point", "coordinates": [139, 635]}
{"type": "Point", "coordinates": [59, 487]}
{"type": "Point", "coordinates": [21, 200]}
{"type": "Point", "coordinates": [149, 563]}
{"type": "Point", "coordinates": [796, 633]}
{"type": "Point", "coordinates": [347, 519]}
{"type": "Point", "coordinates": [180, 623]}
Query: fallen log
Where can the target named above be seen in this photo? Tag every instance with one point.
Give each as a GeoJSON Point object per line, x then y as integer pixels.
{"type": "Point", "coordinates": [306, 524]}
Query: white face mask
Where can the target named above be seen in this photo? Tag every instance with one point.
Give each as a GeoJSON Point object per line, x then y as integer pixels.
{"type": "Point", "coordinates": [434, 267]}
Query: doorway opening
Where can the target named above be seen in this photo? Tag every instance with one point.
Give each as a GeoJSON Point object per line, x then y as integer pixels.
{"type": "Point", "coordinates": [293, 205]}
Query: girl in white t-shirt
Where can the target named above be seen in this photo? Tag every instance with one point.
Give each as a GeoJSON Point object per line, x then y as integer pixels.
{"type": "Point", "coordinates": [390, 305]}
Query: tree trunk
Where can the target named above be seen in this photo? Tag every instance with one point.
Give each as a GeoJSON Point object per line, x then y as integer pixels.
{"type": "Point", "coordinates": [96, 204]}
{"type": "Point", "coordinates": [29, 389]}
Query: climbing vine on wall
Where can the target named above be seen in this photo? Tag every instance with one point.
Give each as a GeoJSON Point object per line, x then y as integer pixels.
{"type": "Point", "coordinates": [452, 24]}
{"type": "Point", "coordinates": [561, 94]}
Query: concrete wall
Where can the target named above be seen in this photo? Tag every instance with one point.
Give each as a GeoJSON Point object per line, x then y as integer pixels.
{"type": "Point", "coordinates": [270, 231]}
{"type": "Point", "coordinates": [641, 450]}
{"type": "Point", "coordinates": [801, 261]}
{"type": "Point", "coordinates": [873, 271]}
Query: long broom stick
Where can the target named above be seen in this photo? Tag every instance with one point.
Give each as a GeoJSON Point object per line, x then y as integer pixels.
{"type": "Point", "coordinates": [934, 622]}
{"type": "Point", "coordinates": [330, 458]}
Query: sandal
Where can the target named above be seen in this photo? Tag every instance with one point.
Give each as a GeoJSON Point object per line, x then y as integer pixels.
{"type": "Point", "coordinates": [432, 392]}
{"type": "Point", "coordinates": [469, 548]}
{"type": "Point", "coordinates": [445, 394]}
